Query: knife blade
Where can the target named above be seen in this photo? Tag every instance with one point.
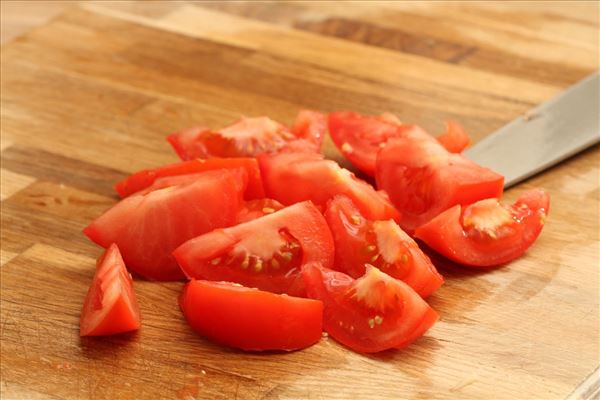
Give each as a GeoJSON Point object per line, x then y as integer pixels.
{"type": "Point", "coordinates": [545, 135]}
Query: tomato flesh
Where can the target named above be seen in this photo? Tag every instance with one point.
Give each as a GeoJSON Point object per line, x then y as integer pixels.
{"type": "Point", "coordinates": [293, 177]}
{"type": "Point", "coordinates": [266, 253]}
{"type": "Point", "coordinates": [487, 233]}
{"type": "Point", "coordinates": [383, 244]}
{"type": "Point", "coordinates": [455, 139]}
{"type": "Point", "coordinates": [110, 305]}
{"type": "Point", "coordinates": [254, 209]}
{"type": "Point", "coordinates": [311, 126]}
{"type": "Point", "coordinates": [149, 225]}
{"type": "Point", "coordinates": [145, 178]}
{"type": "Point", "coordinates": [360, 137]}
{"type": "Point", "coordinates": [423, 179]}
{"type": "Point", "coordinates": [250, 319]}
{"type": "Point", "coordinates": [373, 313]}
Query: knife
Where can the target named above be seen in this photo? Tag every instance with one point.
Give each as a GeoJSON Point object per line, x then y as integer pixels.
{"type": "Point", "coordinates": [545, 135]}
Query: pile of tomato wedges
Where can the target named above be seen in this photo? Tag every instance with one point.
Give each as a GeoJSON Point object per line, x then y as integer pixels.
{"type": "Point", "coordinates": [278, 243]}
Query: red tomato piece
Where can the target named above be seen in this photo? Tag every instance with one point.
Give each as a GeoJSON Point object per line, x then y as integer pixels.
{"type": "Point", "coordinates": [110, 306]}
{"type": "Point", "coordinates": [487, 233]}
{"type": "Point", "coordinates": [145, 178]}
{"type": "Point", "coordinates": [455, 139]}
{"type": "Point", "coordinates": [250, 319]}
{"type": "Point", "coordinates": [149, 225]}
{"type": "Point", "coordinates": [423, 179]}
{"type": "Point", "coordinates": [311, 126]}
{"type": "Point", "coordinates": [265, 253]}
{"type": "Point", "coordinates": [187, 145]}
{"type": "Point", "coordinates": [293, 177]}
{"type": "Point", "coordinates": [359, 241]}
{"type": "Point", "coordinates": [258, 208]}
{"type": "Point", "coordinates": [373, 313]}
{"type": "Point", "coordinates": [246, 138]}
{"type": "Point", "coordinates": [360, 137]}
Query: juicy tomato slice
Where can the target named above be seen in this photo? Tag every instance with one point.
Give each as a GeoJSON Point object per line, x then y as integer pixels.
{"type": "Point", "coordinates": [373, 313]}
{"type": "Point", "coordinates": [487, 233]}
{"type": "Point", "coordinates": [246, 138]}
{"type": "Point", "coordinates": [149, 225]}
{"type": "Point", "coordinates": [250, 319]}
{"type": "Point", "coordinates": [311, 126]}
{"type": "Point", "coordinates": [110, 305]}
{"type": "Point", "coordinates": [266, 253]}
{"type": "Point", "coordinates": [359, 241]}
{"type": "Point", "coordinates": [254, 209]}
{"type": "Point", "coordinates": [455, 139]}
{"type": "Point", "coordinates": [360, 137]}
{"type": "Point", "coordinates": [293, 177]}
{"type": "Point", "coordinates": [423, 179]}
{"type": "Point", "coordinates": [145, 178]}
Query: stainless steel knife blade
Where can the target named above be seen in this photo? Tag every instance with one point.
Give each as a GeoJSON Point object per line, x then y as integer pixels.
{"type": "Point", "coordinates": [544, 136]}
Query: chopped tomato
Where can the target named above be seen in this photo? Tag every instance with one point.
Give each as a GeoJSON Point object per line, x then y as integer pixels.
{"type": "Point", "coordinates": [359, 241]}
{"type": "Point", "coordinates": [423, 179]}
{"type": "Point", "coordinates": [487, 233]}
{"type": "Point", "coordinates": [246, 138]}
{"type": "Point", "coordinates": [110, 306]}
{"type": "Point", "coordinates": [186, 143]}
{"type": "Point", "coordinates": [250, 319]}
{"type": "Point", "coordinates": [294, 177]}
{"type": "Point", "coordinates": [360, 137]}
{"type": "Point", "coordinates": [265, 253]}
{"type": "Point", "coordinates": [258, 208]}
{"type": "Point", "coordinates": [311, 126]}
{"type": "Point", "coordinates": [149, 225]}
{"type": "Point", "coordinates": [373, 313]}
{"type": "Point", "coordinates": [143, 179]}
{"type": "Point", "coordinates": [455, 139]}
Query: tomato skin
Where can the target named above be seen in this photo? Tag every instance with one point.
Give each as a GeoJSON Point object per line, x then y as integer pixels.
{"type": "Point", "coordinates": [423, 179]}
{"type": "Point", "coordinates": [149, 225]}
{"type": "Point", "coordinates": [294, 177]}
{"type": "Point", "coordinates": [391, 315]}
{"type": "Point", "coordinates": [145, 178]}
{"type": "Point", "coordinates": [455, 139]}
{"type": "Point", "coordinates": [301, 221]}
{"type": "Point", "coordinates": [358, 241]}
{"type": "Point", "coordinates": [250, 319]}
{"type": "Point", "coordinates": [110, 305]}
{"type": "Point", "coordinates": [504, 240]}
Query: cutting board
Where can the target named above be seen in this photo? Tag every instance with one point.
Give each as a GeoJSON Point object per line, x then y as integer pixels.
{"type": "Point", "coordinates": [89, 98]}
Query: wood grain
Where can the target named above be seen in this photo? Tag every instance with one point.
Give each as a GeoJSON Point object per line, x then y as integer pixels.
{"type": "Point", "coordinates": [90, 97]}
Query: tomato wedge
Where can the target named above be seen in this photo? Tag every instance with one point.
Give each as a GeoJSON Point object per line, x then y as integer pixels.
{"type": "Point", "coordinates": [110, 306]}
{"type": "Point", "coordinates": [359, 241]}
{"type": "Point", "coordinates": [149, 225]}
{"type": "Point", "coordinates": [311, 126]}
{"type": "Point", "coordinates": [293, 177]}
{"type": "Point", "coordinates": [266, 253]}
{"type": "Point", "coordinates": [487, 233]}
{"type": "Point", "coordinates": [373, 313]}
{"type": "Point", "coordinates": [145, 178]}
{"type": "Point", "coordinates": [258, 208]}
{"type": "Point", "coordinates": [423, 179]}
{"type": "Point", "coordinates": [455, 139]}
{"type": "Point", "coordinates": [360, 137]}
{"type": "Point", "coordinates": [250, 319]}
{"type": "Point", "coordinates": [251, 136]}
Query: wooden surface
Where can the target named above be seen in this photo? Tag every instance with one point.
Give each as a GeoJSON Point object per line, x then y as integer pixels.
{"type": "Point", "coordinates": [90, 96]}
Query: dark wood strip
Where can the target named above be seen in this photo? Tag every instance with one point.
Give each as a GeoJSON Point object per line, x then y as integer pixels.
{"type": "Point", "coordinates": [48, 166]}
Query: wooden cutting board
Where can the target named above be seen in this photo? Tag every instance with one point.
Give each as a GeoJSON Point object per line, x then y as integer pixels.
{"type": "Point", "coordinates": [89, 98]}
